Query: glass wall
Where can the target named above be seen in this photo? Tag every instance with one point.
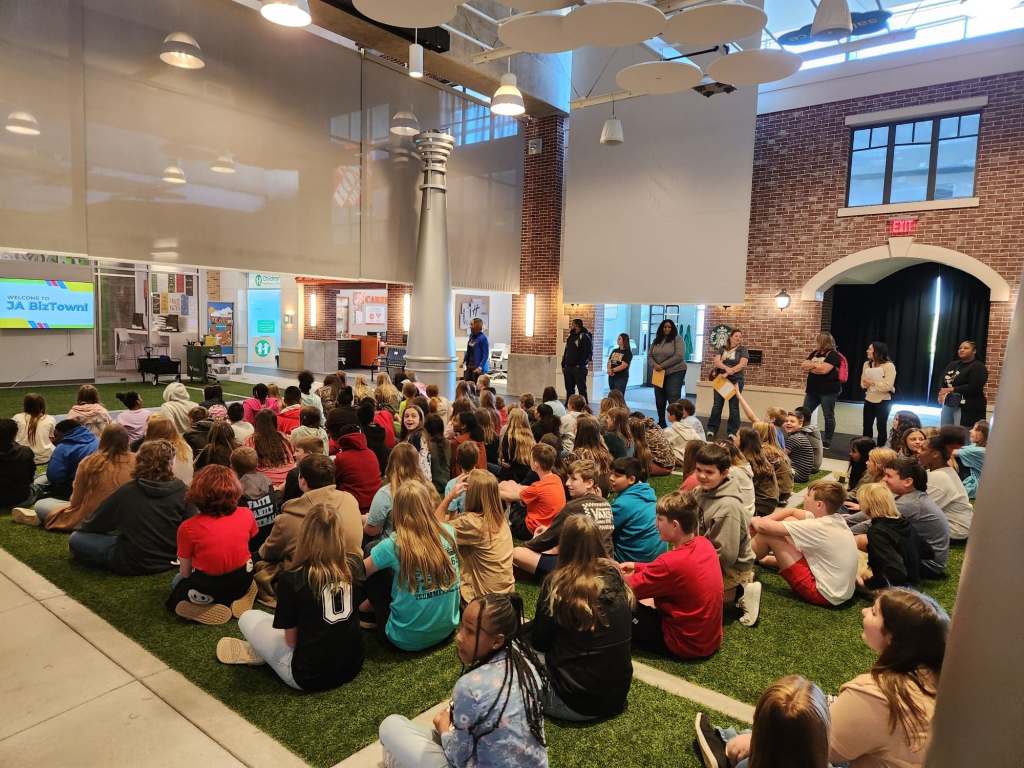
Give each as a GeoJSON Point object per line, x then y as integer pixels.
{"type": "Point", "coordinates": [641, 322]}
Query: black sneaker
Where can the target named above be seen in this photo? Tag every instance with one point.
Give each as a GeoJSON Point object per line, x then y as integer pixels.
{"type": "Point", "coordinates": [367, 620]}
{"type": "Point", "coordinates": [709, 743]}
{"type": "Point", "coordinates": [826, 443]}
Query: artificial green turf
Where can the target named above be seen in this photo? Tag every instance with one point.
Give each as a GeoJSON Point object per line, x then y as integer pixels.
{"type": "Point", "coordinates": [60, 397]}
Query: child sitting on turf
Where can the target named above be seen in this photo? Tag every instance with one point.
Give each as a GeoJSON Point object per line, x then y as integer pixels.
{"type": "Point", "coordinates": [583, 626]}
{"type": "Point", "coordinates": [776, 455]}
{"type": "Point", "coordinates": [496, 713]}
{"type": "Point", "coordinates": [945, 487]}
{"type": "Point", "coordinates": [220, 442]}
{"type": "Point", "coordinates": [242, 428]}
{"type": "Point", "coordinates": [89, 411]}
{"type": "Point", "coordinates": [316, 480]}
{"type": "Point", "coordinates": [635, 537]}
{"type": "Point", "coordinates": [482, 535]}
{"type": "Point", "coordinates": [685, 584]}
{"type": "Point", "coordinates": [257, 494]}
{"type": "Point", "coordinates": [133, 532]}
{"type": "Point", "coordinates": [214, 580]}
{"type": "Point", "coordinates": [540, 553]}
{"type": "Point", "coordinates": [17, 469]}
{"type": "Point", "coordinates": [310, 399]}
{"type": "Point", "coordinates": [763, 472]}
{"type": "Point", "coordinates": [791, 725]}
{"type": "Point", "coordinates": [159, 427]}
{"type": "Point", "coordinates": [288, 418]}
{"type": "Point", "coordinates": [972, 457]}
{"type": "Point", "coordinates": [313, 641]}
{"type": "Point", "coordinates": [309, 426]}
{"type": "Point", "coordinates": [260, 399]}
{"type": "Point", "coordinates": [724, 521]}
{"type": "Point", "coordinates": [98, 476]}
{"type": "Point", "coordinates": [884, 716]}
{"type": "Point", "coordinates": [813, 547]}
{"type": "Point", "coordinates": [303, 448]}
{"type": "Point", "coordinates": [541, 500]}
{"type": "Point", "coordinates": [356, 467]}
{"type": "Point", "coordinates": [466, 459]}
{"type": "Point", "coordinates": [440, 452]}
{"type": "Point", "coordinates": [403, 467]}
{"type": "Point", "coordinates": [418, 604]}
{"type": "Point", "coordinates": [213, 402]}
{"type": "Point", "coordinates": [276, 455]}
{"type": "Point", "coordinates": [73, 443]}
{"type": "Point", "coordinates": [681, 430]}
{"type": "Point", "coordinates": [135, 417]}
{"type": "Point", "coordinates": [800, 445]}
{"type": "Point", "coordinates": [894, 549]}
{"type": "Point", "coordinates": [35, 427]}
{"type": "Point", "coordinates": [198, 433]}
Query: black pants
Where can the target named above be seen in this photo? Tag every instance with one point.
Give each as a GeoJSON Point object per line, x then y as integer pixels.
{"type": "Point", "coordinates": [672, 391]}
{"type": "Point", "coordinates": [715, 419]}
{"type": "Point", "coordinates": [972, 414]}
{"type": "Point", "coordinates": [378, 592]}
{"type": "Point", "coordinates": [517, 522]}
{"type": "Point", "coordinates": [575, 381]}
{"type": "Point", "coordinates": [647, 633]}
{"type": "Point", "coordinates": [876, 415]}
{"type": "Point", "coordinates": [203, 589]}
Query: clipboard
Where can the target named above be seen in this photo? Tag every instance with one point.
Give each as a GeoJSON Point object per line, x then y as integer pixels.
{"type": "Point", "coordinates": [725, 388]}
{"type": "Point", "coordinates": [658, 378]}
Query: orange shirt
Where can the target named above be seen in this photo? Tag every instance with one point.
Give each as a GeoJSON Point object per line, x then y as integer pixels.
{"type": "Point", "coordinates": [544, 499]}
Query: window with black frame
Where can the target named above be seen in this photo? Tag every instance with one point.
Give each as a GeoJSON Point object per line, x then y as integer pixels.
{"type": "Point", "coordinates": [930, 159]}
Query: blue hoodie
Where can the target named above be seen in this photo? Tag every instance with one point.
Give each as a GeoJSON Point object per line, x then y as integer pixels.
{"type": "Point", "coordinates": [636, 536]}
{"type": "Point", "coordinates": [67, 455]}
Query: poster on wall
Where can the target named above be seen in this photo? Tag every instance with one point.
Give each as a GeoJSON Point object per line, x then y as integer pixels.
{"type": "Point", "coordinates": [376, 314]}
{"type": "Point", "coordinates": [264, 316]}
{"type": "Point", "coordinates": [341, 315]}
{"type": "Point", "coordinates": [220, 323]}
{"type": "Point", "coordinates": [469, 307]}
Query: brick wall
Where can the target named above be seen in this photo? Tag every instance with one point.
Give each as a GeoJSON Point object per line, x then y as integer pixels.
{"type": "Point", "coordinates": [327, 307]}
{"type": "Point", "coordinates": [541, 239]}
{"type": "Point", "coordinates": [396, 292]}
{"type": "Point", "coordinates": [799, 182]}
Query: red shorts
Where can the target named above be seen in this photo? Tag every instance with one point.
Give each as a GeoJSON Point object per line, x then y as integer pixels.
{"type": "Point", "coordinates": [801, 581]}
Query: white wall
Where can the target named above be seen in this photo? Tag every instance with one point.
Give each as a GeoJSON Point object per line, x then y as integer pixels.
{"type": "Point", "coordinates": [71, 352]}
{"type": "Point", "coordinates": [291, 335]}
{"type": "Point", "coordinates": [499, 327]}
{"type": "Point", "coordinates": [364, 328]}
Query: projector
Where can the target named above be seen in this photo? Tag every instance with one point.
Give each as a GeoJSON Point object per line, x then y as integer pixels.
{"type": "Point", "coordinates": [712, 88]}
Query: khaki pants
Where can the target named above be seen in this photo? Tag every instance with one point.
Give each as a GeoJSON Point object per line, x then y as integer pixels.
{"type": "Point", "coordinates": [264, 574]}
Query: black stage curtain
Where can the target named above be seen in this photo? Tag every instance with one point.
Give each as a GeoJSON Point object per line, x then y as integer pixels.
{"type": "Point", "coordinates": [899, 310]}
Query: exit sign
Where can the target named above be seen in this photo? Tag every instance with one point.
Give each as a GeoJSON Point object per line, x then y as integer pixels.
{"type": "Point", "coordinates": [902, 226]}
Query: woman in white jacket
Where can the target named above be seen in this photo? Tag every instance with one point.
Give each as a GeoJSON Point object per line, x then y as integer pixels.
{"type": "Point", "coordinates": [878, 380]}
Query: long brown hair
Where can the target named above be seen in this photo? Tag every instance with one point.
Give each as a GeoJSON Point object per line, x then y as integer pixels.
{"type": "Point", "coordinates": [791, 724]}
{"type": "Point", "coordinates": [482, 498]}
{"type": "Point", "coordinates": [753, 451]}
{"type": "Point", "coordinates": [403, 466]}
{"type": "Point", "coordinates": [917, 627]}
{"type": "Point", "coordinates": [159, 427]}
{"type": "Point", "coordinates": [518, 436]}
{"type": "Point", "coordinates": [583, 573]}
{"type": "Point", "coordinates": [321, 550]}
{"type": "Point", "coordinates": [153, 461]}
{"type": "Point", "coordinates": [690, 456]}
{"type": "Point", "coordinates": [268, 442]}
{"type": "Point", "coordinates": [113, 450]}
{"type": "Point", "coordinates": [34, 405]}
{"type": "Point", "coordinates": [422, 557]}
{"type": "Point", "coordinates": [88, 395]}
{"type": "Point", "coordinates": [618, 423]}
{"type": "Point", "coordinates": [590, 444]}
{"type": "Point", "coordinates": [638, 431]}
{"type": "Point", "coordinates": [486, 422]}
{"type": "Point", "coordinates": [221, 443]}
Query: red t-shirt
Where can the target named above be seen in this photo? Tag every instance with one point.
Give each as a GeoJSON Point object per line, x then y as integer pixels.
{"type": "Point", "coordinates": [686, 584]}
{"type": "Point", "coordinates": [544, 499]}
{"type": "Point", "coordinates": [217, 545]}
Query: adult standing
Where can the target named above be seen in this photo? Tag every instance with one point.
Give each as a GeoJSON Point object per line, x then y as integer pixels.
{"type": "Point", "coordinates": [618, 364]}
{"type": "Point", "coordinates": [667, 354]}
{"type": "Point", "coordinates": [730, 361]}
{"type": "Point", "coordinates": [963, 387]}
{"type": "Point", "coordinates": [478, 351]}
{"type": "Point", "coordinates": [822, 367]}
{"type": "Point", "coordinates": [578, 352]}
{"type": "Point", "coordinates": [878, 380]}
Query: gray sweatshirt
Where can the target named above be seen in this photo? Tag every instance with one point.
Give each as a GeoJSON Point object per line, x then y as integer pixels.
{"type": "Point", "coordinates": [670, 355]}
{"type": "Point", "coordinates": [724, 521]}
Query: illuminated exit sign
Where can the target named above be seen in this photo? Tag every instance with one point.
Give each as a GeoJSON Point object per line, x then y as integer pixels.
{"type": "Point", "coordinates": [899, 227]}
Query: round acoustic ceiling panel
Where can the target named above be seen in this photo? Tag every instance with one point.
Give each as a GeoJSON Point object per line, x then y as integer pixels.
{"type": "Point", "coordinates": [408, 13]}
{"type": "Point", "coordinates": [708, 25]}
{"type": "Point", "coordinates": [525, 6]}
{"type": "Point", "coordinates": [659, 77]}
{"type": "Point", "coordinates": [544, 32]}
{"type": "Point", "coordinates": [753, 67]}
{"type": "Point", "coordinates": [614, 23]}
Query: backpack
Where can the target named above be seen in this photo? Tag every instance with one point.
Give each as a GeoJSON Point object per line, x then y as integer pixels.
{"type": "Point", "coordinates": [844, 368]}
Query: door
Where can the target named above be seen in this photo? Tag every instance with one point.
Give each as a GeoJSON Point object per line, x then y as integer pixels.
{"type": "Point", "coordinates": [652, 316]}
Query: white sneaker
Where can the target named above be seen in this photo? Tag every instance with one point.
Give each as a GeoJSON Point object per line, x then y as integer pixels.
{"type": "Point", "coordinates": [25, 516]}
{"type": "Point", "coordinates": [750, 603]}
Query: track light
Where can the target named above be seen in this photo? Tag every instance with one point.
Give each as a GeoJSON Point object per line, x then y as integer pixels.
{"type": "Point", "coordinates": [181, 50]}
{"type": "Point", "coordinates": [287, 13]}
{"type": "Point", "coordinates": [832, 20]}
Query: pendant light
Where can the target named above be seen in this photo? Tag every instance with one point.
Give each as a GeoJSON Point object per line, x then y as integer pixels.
{"type": "Point", "coordinates": [173, 174]}
{"type": "Point", "coordinates": [22, 123]}
{"type": "Point", "coordinates": [611, 133]}
{"type": "Point", "coordinates": [405, 123]}
{"type": "Point", "coordinates": [832, 20]}
{"type": "Point", "coordinates": [508, 99]}
{"type": "Point", "coordinates": [223, 164]}
{"type": "Point", "coordinates": [287, 13]}
{"type": "Point", "coordinates": [416, 56]}
{"type": "Point", "coordinates": [181, 50]}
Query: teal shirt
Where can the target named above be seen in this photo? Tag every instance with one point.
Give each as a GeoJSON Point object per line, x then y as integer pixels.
{"type": "Point", "coordinates": [459, 502]}
{"type": "Point", "coordinates": [636, 536]}
{"type": "Point", "coordinates": [422, 618]}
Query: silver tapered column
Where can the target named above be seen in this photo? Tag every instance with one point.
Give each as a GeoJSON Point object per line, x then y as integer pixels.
{"type": "Point", "coordinates": [431, 348]}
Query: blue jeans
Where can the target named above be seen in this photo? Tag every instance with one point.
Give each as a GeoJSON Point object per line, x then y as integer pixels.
{"type": "Point", "coordinates": [410, 745]}
{"type": "Point", "coordinates": [95, 549]}
{"type": "Point", "coordinates": [950, 415]}
{"type": "Point", "coordinates": [715, 419]}
{"type": "Point", "coordinates": [828, 408]}
{"type": "Point", "coordinates": [671, 392]}
{"type": "Point", "coordinates": [618, 381]}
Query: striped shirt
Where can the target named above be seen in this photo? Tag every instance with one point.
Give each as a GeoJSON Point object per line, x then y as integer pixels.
{"type": "Point", "coordinates": [801, 455]}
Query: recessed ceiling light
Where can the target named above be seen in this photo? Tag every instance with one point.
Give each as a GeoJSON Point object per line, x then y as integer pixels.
{"type": "Point", "coordinates": [287, 13]}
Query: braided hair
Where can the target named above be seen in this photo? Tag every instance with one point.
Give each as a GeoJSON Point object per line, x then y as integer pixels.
{"type": "Point", "coordinates": [504, 615]}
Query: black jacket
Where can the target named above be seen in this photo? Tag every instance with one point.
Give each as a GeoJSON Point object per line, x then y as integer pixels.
{"type": "Point", "coordinates": [198, 436]}
{"type": "Point", "coordinates": [895, 552]}
{"type": "Point", "coordinates": [590, 671]}
{"type": "Point", "coordinates": [579, 349]}
{"type": "Point", "coordinates": [17, 471]}
{"type": "Point", "coordinates": [145, 515]}
{"type": "Point", "coordinates": [968, 380]}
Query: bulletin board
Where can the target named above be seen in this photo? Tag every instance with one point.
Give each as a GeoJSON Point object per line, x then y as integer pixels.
{"type": "Point", "coordinates": [172, 294]}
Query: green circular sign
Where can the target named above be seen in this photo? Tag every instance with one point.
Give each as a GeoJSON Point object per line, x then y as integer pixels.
{"type": "Point", "coordinates": [262, 348]}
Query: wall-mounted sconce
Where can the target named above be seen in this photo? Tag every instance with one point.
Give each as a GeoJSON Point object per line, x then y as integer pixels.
{"type": "Point", "coordinates": [530, 313]}
{"type": "Point", "coordinates": [406, 311]}
{"type": "Point", "coordinates": [312, 310]}
{"type": "Point", "coordinates": [289, 319]}
{"type": "Point", "coordinates": [782, 300]}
